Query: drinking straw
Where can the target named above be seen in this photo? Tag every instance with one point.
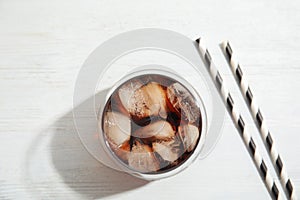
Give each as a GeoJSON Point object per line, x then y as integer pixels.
{"type": "Point", "coordinates": [239, 123]}
{"type": "Point", "coordinates": [257, 116]}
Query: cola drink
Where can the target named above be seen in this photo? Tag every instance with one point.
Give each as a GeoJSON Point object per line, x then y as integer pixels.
{"type": "Point", "coordinates": [152, 123]}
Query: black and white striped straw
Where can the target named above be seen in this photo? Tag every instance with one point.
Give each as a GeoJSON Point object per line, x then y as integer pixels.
{"type": "Point", "coordinates": [255, 110]}
{"type": "Point", "coordinates": [239, 123]}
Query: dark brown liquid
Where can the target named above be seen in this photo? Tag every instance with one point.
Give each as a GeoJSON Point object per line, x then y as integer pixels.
{"type": "Point", "coordinates": [161, 137]}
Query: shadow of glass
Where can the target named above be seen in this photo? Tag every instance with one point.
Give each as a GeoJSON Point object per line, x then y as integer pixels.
{"type": "Point", "coordinates": [59, 151]}
{"type": "Point", "coordinates": [80, 170]}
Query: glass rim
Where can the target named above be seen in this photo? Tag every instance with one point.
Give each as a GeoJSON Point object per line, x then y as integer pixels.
{"type": "Point", "coordinates": [155, 69]}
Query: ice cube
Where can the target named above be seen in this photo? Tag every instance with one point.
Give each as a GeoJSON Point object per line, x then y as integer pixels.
{"type": "Point", "coordinates": [117, 127]}
{"type": "Point", "coordinates": [126, 93]}
{"type": "Point", "coordinates": [189, 135]}
{"type": "Point", "coordinates": [122, 151]}
{"type": "Point", "coordinates": [183, 102]}
{"type": "Point", "coordinates": [142, 158]}
{"type": "Point", "coordinates": [168, 150]}
{"type": "Point", "coordinates": [143, 100]}
{"type": "Point", "coordinates": [116, 105]}
{"type": "Point", "coordinates": [159, 129]}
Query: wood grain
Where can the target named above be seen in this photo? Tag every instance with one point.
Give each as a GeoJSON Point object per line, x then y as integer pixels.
{"type": "Point", "coordinates": [42, 46]}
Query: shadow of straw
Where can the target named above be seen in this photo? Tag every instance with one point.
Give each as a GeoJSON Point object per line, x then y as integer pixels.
{"type": "Point", "coordinates": [76, 168]}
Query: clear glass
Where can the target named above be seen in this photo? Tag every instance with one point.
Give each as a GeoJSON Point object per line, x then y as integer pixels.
{"type": "Point", "coordinates": [191, 156]}
{"type": "Point", "coordinates": [119, 57]}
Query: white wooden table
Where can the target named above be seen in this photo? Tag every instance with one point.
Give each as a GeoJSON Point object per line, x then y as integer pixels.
{"type": "Point", "coordinates": [42, 46]}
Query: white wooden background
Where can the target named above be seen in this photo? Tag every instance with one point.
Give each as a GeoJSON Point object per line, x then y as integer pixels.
{"type": "Point", "coordinates": [42, 46]}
